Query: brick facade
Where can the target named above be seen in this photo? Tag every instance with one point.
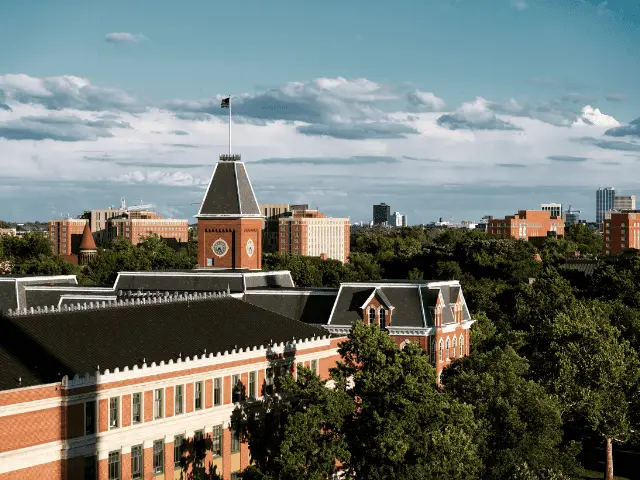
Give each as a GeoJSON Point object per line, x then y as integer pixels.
{"type": "Point", "coordinates": [526, 224]}
{"type": "Point", "coordinates": [236, 233]}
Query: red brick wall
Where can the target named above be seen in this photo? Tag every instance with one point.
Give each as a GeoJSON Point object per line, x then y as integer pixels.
{"type": "Point", "coordinates": [208, 394]}
{"type": "Point", "coordinates": [29, 394]}
{"type": "Point", "coordinates": [147, 460]}
{"type": "Point", "coordinates": [240, 230]}
{"type": "Point", "coordinates": [226, 390]}
{"type": "Point", "coordinates": [168, 401]}
{"type": "Point", "coordinates": [148, 405]}
{"type": "Point", "coordinates": [189, 398]}
{"type": "Point", "coordinates": [32, 428]}
{"type": "Point", "coordinates": [103, 469]}
{"type": "Point", "coordinates": [74, 420]}
{"type": "Point", "coordinates": [168, 461]}
{"type": "Point", "coordinates": [226, 453]}
{"type": "Point", "coordinates": [52, 470]}
{"type": "Point", "coordinates": [244, 455]}
{"type": "Point", "coordinates": [125, 466]}
{"type": "Point", "coordinates": [103, 415]}
{"type": "Point", "coordinates": [126, 410]}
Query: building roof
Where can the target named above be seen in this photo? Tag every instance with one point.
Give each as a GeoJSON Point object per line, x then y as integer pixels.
{"type": "Point", "coordinates": [42, 348]}
{"type": "Point", "coordinates": [587, 267]}
{"type": "Point", "coordinates": [87, 242]}
{"type": "Point", "coordinates": [307, 305]}
{"type": "Point", "coordinates": [230, 193]}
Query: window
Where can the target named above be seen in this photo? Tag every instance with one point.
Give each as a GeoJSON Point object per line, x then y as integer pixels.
{"type": "Point", "coordinates": [268, 381]}
{"type": "Point", "coordinates": [114, 466]}
{"type": "Point", "coordinates": [198, 435]}
{"type": "Point", "coordinates": [441, 349]}
{"type": "Point", "coordinates": [90, 418]}
{"type": "Point", "coordinates": [177, 450]}
{"type": "Point", "coordinates": [253, 383]}
{"type": "Point", "coordinates": [433, 351]}
{"type": "Point", "coordinates": [235, 388]}
{"type": "Point", "coordinates": [217, 392]}
{"type": "Point", "coordinates": [136, 408]}
{"type": "Point", "coordinates": [216, 441]}
{"type": "Point", "coordinates": [198, 396]}
{"type": "Point", "coordinates": [314, 366]}
{"type": "Point", "coordinates": [383, 317]}
{"type": "Point", "coordinates": [157, 403]}
{"type": "Point", "coordinates": [114, 412]}
{"type": "Point", "coordinates": [235, 442]}
{"type": "Point", "coordinates": [178, 399]}
{"type": "Point", "coordinates": [453, 348]}
{"type": "Point", "coordinates": [90, 470]}
{"type": "Point", "coordinates": [372, 316]}
{"type": "Point", "coordinates": [447, 350]}
{"type": "Point", "coordinates": [461, 346]}
{"type": "Point", "coordinates": [158, 456]}
{"type": "Point", "coordinates": [136, 462]}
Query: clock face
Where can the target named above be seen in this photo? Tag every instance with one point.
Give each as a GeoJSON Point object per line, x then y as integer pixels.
{"type": "Point", "coordinates": [250, 247]}
{"type": "Point", "coordinates": [220, 247]}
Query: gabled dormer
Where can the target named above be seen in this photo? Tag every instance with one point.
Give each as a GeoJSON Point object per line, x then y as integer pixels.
{"type": "Point", "coordinates": [376, 309]}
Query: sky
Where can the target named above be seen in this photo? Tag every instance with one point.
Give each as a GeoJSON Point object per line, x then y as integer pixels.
{"type": "Point", "coordinates": [448, 109]}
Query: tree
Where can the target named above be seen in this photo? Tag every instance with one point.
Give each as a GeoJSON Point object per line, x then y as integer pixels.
{"type": "Point", "coordinates": [193, 460]}
{"type": "Point", "coordinates": [519, 423]}
{"type": "Point", "coordinates": [403, 426]}
{"type": "Point", "coordinates": [581, 358]}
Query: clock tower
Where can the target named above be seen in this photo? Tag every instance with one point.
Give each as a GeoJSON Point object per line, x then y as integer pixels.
{"type": "Point", "coordinates": [229, 221]}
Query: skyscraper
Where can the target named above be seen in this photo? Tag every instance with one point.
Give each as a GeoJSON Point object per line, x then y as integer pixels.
{"type": "Point", "coordinates": [381, 214]}
{"type": "Point", "coordinates": [604, 202]}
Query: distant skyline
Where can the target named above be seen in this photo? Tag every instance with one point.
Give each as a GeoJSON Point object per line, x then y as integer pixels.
{"type": "Point", "coordinates": [442, 108]}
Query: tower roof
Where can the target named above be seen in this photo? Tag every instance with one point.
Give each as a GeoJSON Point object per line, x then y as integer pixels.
{"type": "Point", "coordinates": [87, 242]}
{"type": "Point", "coordinates": [229, 193]}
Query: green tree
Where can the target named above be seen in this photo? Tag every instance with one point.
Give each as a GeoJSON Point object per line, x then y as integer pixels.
{"type": "Point", "coordinates": [403, 427]}
{"type": "Point", "coordinates": [519, 423]}
{"type": "Point", "coordinates": [581, 358]}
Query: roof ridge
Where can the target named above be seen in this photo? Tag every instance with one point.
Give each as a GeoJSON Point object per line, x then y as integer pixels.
{"type": "Point", "coordinates": [127, 302]}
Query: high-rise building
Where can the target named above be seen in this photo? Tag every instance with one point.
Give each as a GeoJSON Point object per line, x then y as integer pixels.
{"type": "Point", "coordinates": [230, 222]}
{"type": "Point", "coordinates": [381, 214]}
{"type": "Point", "coordinates": [624, 202]}
{"type": "Point", "coordinates": [621, 232]}
{"type": "Point", "coordinates": [272, 213]}
{"type": "Point", "coordinates": [526, 224]}
{"type": "Point", "coordinates": [555, 209]}
{"type": "Point", "coordinates": [571, 216]}
{"type": "Point", "coordinates": [310, 233]}
{"type": "Point", "coordinates": [65, 235]}
{"type": "Point", "coordinates": [396, 219]}
{"type": "Point", "coordinates": [604, 202]}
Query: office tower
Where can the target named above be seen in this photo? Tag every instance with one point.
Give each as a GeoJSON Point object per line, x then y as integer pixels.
{"type": "Point", "coordinates": [381, 213]}
{"type": "Point", "coordinates": [604, 202]}
{"type": "Point", "coordinates": [571, 216]}
{"type": "Point", "coordinates": [624, 202]}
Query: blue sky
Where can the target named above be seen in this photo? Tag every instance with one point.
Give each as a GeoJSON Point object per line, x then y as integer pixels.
{"type": "Point", "coordinates": [453, 108]}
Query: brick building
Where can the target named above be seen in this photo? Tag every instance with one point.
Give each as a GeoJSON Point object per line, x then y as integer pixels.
{"type": "Point", "coordinates": [135, 226]}
{"type": "Point", "coordinates": [310, 233]}
{"type": "Point", "coordinates": [621, 232]}
{"type": "Point", "coordinates": [65, 235]}
{"type": "Point", "coordinates": [526, 224]}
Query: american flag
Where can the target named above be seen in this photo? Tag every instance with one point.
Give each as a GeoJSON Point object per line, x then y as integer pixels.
{"type": "Point", "coordinates": [225, 102]}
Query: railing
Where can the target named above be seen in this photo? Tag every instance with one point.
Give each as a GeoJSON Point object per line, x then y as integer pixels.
{"type": "Point", "coordinates": [230, 158]}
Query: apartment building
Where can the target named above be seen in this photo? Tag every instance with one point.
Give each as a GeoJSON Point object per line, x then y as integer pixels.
{"type": "Point", "coordinates": [65, 235]}
{"type": "Point", "coordinates": [134, 229]}
{"type": "Point", "coordinates": [108, 407]}
{"type": "Point", "coordinates": [272, 213]}
{"type": "Point", "coordinates": [621, 232]}
{"type": "Point", "coordinates": [311, 233]}
{"type": "Point", "coordinates": [526, 224]}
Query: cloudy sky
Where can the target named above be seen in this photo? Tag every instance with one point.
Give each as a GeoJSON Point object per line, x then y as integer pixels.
{"type": "Point", "coordinates": [440, 108]}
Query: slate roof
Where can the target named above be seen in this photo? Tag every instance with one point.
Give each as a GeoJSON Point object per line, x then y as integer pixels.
{"type": "Point", "coordinates": [307, 305]}
{"type": "Point", "coordinates": [179, 282]}
{"type": "Point", "coordinates": [230, 192]}
{"type": "Point", "coordinates": [588, 267]}
{"type": "Point", "coordinates": [42, 348]}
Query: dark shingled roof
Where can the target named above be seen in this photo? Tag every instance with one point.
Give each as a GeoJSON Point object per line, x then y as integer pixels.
{"type": "Point", "coordinates": [587, 267]}
{"type": "Point", "coordinates": [407, 310]}
{"type": "Point", "coordinates": [229, 192]}
{"type": "Point", "coordinates": [179, 282]}
{"type": "Point", "coordinates": [269, 280]}
{"type": "Point", "coordinates": [43, 348]}
{"type": "Point", "coordinates": [308, 306]}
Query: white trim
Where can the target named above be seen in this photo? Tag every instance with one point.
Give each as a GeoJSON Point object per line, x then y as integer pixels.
{"type": "Point", "coordinates": [88, 298]}
{"type": "Point", "coordinates": [366, 302]}
{"type": "Point", "coordinates": [206, 194]}
{"type": "Point", "coordinates": [75, 288]}
{"type": "Point", "coordinates": [17, 296]}
{"type": "Point", "coordinates": [424, 316]}
{"type": "Point", "coordinates": [333, 309]}
{"type": "Point", "coordinates": [412, 331]}
{"type": "Point", "coordinates": [383, 284]}
{"type": "Point", "coordinates": [328, 292]}
{"type": "Point", "coordinates": [40, 278]}
{"type": "Point", "coordinates": [228, 216]}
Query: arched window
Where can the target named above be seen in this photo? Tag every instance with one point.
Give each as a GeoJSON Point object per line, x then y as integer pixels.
{"type": "Point", "coordinates": [372, 316]}
{"type": "Point", "coordinates": [461, 346]}
{"type": "Point", "coordinates": [441, 348]}
{"type": "Point", "coordinates": [433, 351]}
{"type": "Point", "coordinates": [383, 318]}
{"type": "Point", "coordinates": [453, 347]}
{"type": "Point", "coordinates": [447, 350]}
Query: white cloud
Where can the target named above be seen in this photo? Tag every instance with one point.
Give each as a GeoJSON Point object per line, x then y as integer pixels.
{"type": "Point", "coordinates": [124, 37]}
{"type": "Point", "coordinates": [118, 143]}
{"type": "Point", "coordinates": [519, 4]}
{"type": "Point", "coordinates": [593, 116]}
{"type": "Point", "coordinates": [425, 100]}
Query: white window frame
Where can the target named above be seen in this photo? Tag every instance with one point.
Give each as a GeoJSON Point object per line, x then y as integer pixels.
{"type": "Point", "coordinates": [252, 389]}
{"type": "Point", "coordinates": [175, 392]}
{"type": "Point", "coordinates": [118, 412]}
{"type": "Point", "coordinates": [236, 379]}
{"type": "Point", "coordinates": [158, 413]}
{"type": "Point", "coordinates": [114, 454]}
{"type": "Point", "coordinates": [461, 345]}
{"type": "Point", "coordinates": [95, 418]}
{"type": "Point", "coordinates": [220, 382]}
{"type": "Point", "coordinates": [141, 447]}
{"type": "Point", "coordinates": [195, 396]}
{"type": "Point", "coordinates": [176, 463]}
{"type": "Point", "coordinates": [141, 396]}
{"type": "Point", "coordinates": [160, 468]}
{"type": "Point", "coordinates": [313, 365]}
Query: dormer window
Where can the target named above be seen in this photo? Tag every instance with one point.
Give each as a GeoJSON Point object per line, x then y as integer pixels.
{"type": "Point", "coordinates": [372, 316]}
{"type": "Point", "coordinates": [383, 318]}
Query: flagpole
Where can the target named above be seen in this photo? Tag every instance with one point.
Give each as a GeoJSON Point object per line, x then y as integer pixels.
{"type": "Point", "coordinates": [229, 126]}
